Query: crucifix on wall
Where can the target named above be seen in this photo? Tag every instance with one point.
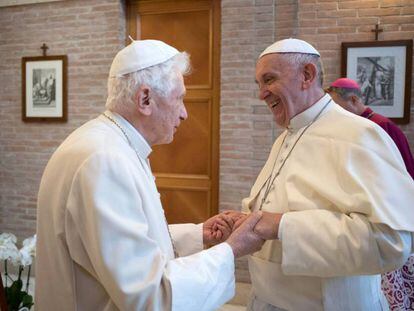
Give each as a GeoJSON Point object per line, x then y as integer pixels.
{"type": "Point", "coordinates": [44, 47]}
{"type": "Point", "coordinates": [377, 30]}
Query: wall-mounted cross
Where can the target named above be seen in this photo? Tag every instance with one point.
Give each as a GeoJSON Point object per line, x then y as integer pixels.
{"type": "Point", "coordinates": [377, 30]}
{"type": "Point", "coordinates": [44, 47]}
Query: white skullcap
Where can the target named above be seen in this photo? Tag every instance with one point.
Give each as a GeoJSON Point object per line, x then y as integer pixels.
{"type": "Point", "coordinates": [140, 54]}
{"type": "Point", "coordinates": [290, 46]}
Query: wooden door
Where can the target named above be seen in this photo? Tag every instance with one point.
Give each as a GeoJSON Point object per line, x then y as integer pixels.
{"type": "Point", "coordinates": [187, 169]}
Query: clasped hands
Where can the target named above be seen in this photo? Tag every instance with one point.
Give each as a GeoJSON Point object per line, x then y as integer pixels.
{"type": "Point", "coordinates": [245, 233]}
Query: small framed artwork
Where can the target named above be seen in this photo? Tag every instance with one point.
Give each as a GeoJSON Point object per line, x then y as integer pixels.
{"type": "Point", "coordinates": [44, 90]}
{"type": "Point", "coordinates": [383, 71]}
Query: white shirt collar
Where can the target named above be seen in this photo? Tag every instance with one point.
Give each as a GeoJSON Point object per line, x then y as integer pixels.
{"type": "Point", "coordinates": [305, 117]}
{"type": "Point", "coordinates": [139, 144]}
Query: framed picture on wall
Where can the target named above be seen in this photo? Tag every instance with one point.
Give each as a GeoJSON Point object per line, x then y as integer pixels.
{"type": "Point", "coordinates": [44, 91]}
{"type": "Point", "coordinates": [383, 71]}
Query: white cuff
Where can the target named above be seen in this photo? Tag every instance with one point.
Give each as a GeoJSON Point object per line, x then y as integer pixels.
{"type": "Point", "coordinates": [187, 238]}
{"type": "Point", "coordinates": [280, 230]}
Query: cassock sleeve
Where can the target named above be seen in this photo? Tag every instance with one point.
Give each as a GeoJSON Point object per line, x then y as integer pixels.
{"type": "Point", "coordinates": [105, 211]}
{"type": "Point", "coordinates": [355, 216]}
{"type": "Point", "coordinates": [188, 238]}
{"type": "Point", "coordinates": [328, 244]}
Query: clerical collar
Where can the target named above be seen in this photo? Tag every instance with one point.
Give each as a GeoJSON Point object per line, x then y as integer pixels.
{"type": "Point", "coordinates": [138, 142]}
{"type": "Point", "coordinates": [368, 113]}
{"type": "Point", "coordinates": [305, 117]}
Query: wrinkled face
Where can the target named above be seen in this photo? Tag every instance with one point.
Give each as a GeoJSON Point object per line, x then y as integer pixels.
{"type": "Point", "coordinates": [279, 86]}
{"type": "Point", "coordinates": [168, 113]}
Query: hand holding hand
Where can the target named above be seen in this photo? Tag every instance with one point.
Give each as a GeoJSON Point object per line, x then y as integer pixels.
{"type": "Point", "coordinates": [217, 229]}
{"type": "Point", "coordinates": [268, 226]}
{"type": "Point", "coordinates": [237, 217]}
{"type": "Point", "coordinates": [244, 240]}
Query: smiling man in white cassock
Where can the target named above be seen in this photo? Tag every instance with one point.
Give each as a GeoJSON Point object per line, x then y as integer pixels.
{"type": "Point", "coordinates": [336, 198]}
{"type": "Point", "coordinates": [103, 240]}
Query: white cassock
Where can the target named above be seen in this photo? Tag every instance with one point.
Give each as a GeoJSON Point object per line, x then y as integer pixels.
{"type": "Point", "coordinates": [103, 241]}
{"type": "Point", "coordinates": [347, 202]}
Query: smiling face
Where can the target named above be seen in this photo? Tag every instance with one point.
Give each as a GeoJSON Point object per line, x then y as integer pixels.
{"type": "Point", "coordinates": [168, 112]}
{"type": "Point", "coordinates": [280, 86]}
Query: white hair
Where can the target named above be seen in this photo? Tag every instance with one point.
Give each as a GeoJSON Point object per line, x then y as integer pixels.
{"type": "Point", "coordinates": [160, 78]}
{"type": "Point", "coordinates": [298, 60]}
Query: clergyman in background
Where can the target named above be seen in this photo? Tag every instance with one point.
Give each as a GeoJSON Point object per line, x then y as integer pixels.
{"type": "Point", "coordinates": [347, 93]}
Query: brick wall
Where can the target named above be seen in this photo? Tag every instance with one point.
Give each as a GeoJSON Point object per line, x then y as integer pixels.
{"type": "Point", "coordinates": [246, 128]}
{"type": "Point", "coordinates": [90, 33]}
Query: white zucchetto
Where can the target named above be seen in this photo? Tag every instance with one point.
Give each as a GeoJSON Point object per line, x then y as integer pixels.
{"type": "Point", "coordinates": [290, 46]}
{"type": "Point", "coordinates": [140, 54]}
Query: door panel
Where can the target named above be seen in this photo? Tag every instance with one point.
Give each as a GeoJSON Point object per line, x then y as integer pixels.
{"type": "Point", "coordinates": [186, 31]}
{"type": "Point", "coordinates": [173, 198]}
{"type": "Point", "coordinates": [192, 141]}
{"type": "Point", "coordinates": [187, 169]}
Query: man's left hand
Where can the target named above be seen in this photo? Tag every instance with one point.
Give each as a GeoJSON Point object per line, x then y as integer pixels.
{"type": "Point", "coordinates": [217, 229]}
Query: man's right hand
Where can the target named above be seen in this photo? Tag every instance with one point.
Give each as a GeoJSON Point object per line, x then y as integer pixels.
{"type": "Point", "coordinates": [244, 240]}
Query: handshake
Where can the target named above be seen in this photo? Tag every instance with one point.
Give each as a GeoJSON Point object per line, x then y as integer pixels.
{"type": "Point", "coordinates": [245, 233]}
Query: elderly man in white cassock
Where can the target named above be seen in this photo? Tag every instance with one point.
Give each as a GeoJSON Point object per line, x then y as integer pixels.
{"type": "Point", "coordinates": [103, 240]}
{"type": "Point", "coordinates": [336, 198]}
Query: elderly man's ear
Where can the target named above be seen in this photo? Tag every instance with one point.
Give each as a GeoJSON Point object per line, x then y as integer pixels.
{"type": "Point", "coordinates": [355, 100]}
{"type": "Point", "coordinates": [309, 75]}
{"type": "Point", "coordinates": [143, 100]}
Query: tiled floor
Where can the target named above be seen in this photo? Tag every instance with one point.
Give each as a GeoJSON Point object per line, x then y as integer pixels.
{"type": "Point", "coordinates": [229, 307]}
